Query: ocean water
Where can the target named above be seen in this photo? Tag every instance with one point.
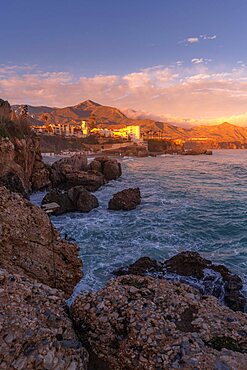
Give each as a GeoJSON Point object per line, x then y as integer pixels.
{"type": "Point", "coordinates": [194, 203]}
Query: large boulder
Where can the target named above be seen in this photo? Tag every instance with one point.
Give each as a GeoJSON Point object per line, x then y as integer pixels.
{"type": "Point", "coordinates": [148, 323]}
{"type": "Point", "coordinates": [61, 168]}
{"type": "Point", "coordinates": [125, 200]}
{"type": "Point", "coordinates": [90, 180]}
{"type": "Point", "coordinates": [110, 168]}
{"type": "Point", "coordinates": [75, 199]}
{"type": "Point", "coordinates": [36, 332]}
{"type": "Point", "coordinates": [29, 244]}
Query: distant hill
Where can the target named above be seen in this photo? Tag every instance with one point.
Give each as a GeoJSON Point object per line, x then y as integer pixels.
{"type": "Point", "coordinates": [113, 117]}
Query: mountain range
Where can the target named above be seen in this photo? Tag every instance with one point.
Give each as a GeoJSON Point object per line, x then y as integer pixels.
{"type": "Point", "coordinates": [112, 117]}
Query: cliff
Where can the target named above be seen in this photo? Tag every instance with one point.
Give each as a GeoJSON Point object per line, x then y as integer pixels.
{"type": "Point", "coordinates": [21, 161]}
{"type": "Point", "coordinates": [38, 271]}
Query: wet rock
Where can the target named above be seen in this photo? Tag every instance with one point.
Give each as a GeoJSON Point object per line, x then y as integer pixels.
{"type": "Point", "coordinates": [30, 244]}
{"type": "Point", "coordinates": [190, 268]}
{"type": "Point", "coordinates": [192, 264]}
{"type": "Point", "coordinates": [157, 325]}
{"type": "Point", "coordinates": [141, 267]}
{"type": "Point", "coordinates": [110, 168]}
{"type": "Point", "coordinates": [125, 200]}
{"type": "Point", "coordinates": [75, 199]}
{"type": "Point", "coordinates": [187, 264]}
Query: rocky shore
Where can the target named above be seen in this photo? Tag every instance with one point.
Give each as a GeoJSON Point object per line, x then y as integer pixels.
{"type": "Point", "coordinates": [149, 318]}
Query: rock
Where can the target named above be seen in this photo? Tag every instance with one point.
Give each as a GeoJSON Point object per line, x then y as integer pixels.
{"type": "Point", "coordinates": [30, 244]}
{"type": "Point", "coordinates": [90, 180]}
{"type": "Point", "coordinates": [61, 168]}
{"type": "Point", "coordinates": [83, 200]}
{"type": "Point", "coordinates": [158, 325]}
{"type": "Point", "coordinates": [188, 264]}
{"type": "Point", "coordinates": [110, 168]}
{"type": "Point", "coordinates": [126, 200]}
{"type": "Point", "coordinates": [75, 199]}
{"type": "Point", "coordinates": [192, 264]}
{"type": "Point", "coordinates": [192, 269]}
{"type": "Point", "coordinates": [41, 177]}
{"type": "Point", "coordinates": [61, 198]}
{"type": "Point", "coordinates": [95, 165]}
{"type": "Point", "coordinates": [34, 327]}
{"type": "Point", "coordinates": [14, 183]}
{"type": "Point", "coordinates": [22, 158]}
{"type": "Point", "coordinates": [141, 267]}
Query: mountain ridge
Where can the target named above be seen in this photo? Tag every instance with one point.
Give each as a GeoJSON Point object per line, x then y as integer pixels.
{"type": "Point", "coordinates": [104, 115]}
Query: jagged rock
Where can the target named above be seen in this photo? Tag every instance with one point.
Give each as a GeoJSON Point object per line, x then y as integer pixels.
{"type": "Point", "coordinates": [148, 323]}
{"type": "Point", "coordinates": [110, 168]}
{"type": "Point", "coordinates": [30, 244]}
{"type": "Point", "coordinates": [192, 264]}
{"type": "Point", "coordinates": [61, 168]}
{"type": "Point", "coordinates": [75, 199]}
{"type": "Point", "coordinates": [220, 280]}
{"type": "Point", "coordinates": [5, 110]}
{"type": "Point", "coordinates": [141, 267]}
{"type": "Point", "coordinates": [35, 330]}
{"type": "Point", "coordinates": [83, 200]}
{"type": "Point", "coordinates": [22, 158]}
{"type": "Point", "coordinates": [14, 183]}
{"type": "Point", "coordinates": [95, 165]}
{"type": "Point", "coordinates": [188, 264]}
{"type": "Point", "coordinates": [126, 200]}
{"type": "Point", "coordinates": [90, 180]}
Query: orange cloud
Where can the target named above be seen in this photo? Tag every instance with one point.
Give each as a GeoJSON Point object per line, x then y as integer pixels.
{"type": "Point", "coordinates": [176, 93]}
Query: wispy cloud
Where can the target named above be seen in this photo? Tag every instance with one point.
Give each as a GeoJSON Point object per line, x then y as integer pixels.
{"type": "Point", "coordinates": [198, 92]}
{"type": "Point", "coordinates": [201, 60]}
{"type": "Point", "coordinates": [196, 39]}
{"type": "Point", "coordinates": [208, 37]}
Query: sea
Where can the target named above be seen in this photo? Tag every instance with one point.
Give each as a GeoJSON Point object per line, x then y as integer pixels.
{"type": "Point", "coordinates": [196, 203]}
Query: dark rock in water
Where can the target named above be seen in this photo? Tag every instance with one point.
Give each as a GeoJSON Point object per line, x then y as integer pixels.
{"type": "Point", "coordinates": [125, 200]}
{"type": "Point", "coordinates": [187, 264]}
{"type": "Point", "coordinates": [82, 199]}
{"type": "Point", "coordinates": [75, 199]}
{"type": "Point", "coordinates": [190, 268]}
{"type": "Point", "coordinates": [141, 267]}
{"type": "Point", "coordinates": [110, 168]}
{"type": "Point", "coordinates": [192, 264]}
{"type": "Point", "coordinates": [13, 183]}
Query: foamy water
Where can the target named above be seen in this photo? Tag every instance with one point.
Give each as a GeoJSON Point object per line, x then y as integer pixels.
{"type": "Point", "coordinates": [188, 203]}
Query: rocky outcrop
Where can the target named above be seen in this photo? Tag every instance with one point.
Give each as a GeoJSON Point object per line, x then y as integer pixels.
{"type": "Point", "coordinates": [75, 199]}
{"type": "Point", "coordinates": [70, 172]}
{"type": "Point", "coordinates": [74, 171]}
{"type": "Point", "coordinates": [29, 244]}
{"type": "Point", "coordinates": [35, 330]}
{"type": "Point", "coordinates": [22, 158]}
{"type": "Point", "coordinates": [125, 200]}
{"type": "Point", "coordinates": [5, 110]}
{"type": "Point", "coordinates": [147, 323]}
{"type": "Point", "coordinates": [189, 267]}
{"type": "Point", "coordinates": [110, 168]}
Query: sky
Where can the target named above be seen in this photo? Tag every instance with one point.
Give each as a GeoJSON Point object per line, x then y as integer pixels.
{"type": "Point", "coordinates": [183, 61]}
